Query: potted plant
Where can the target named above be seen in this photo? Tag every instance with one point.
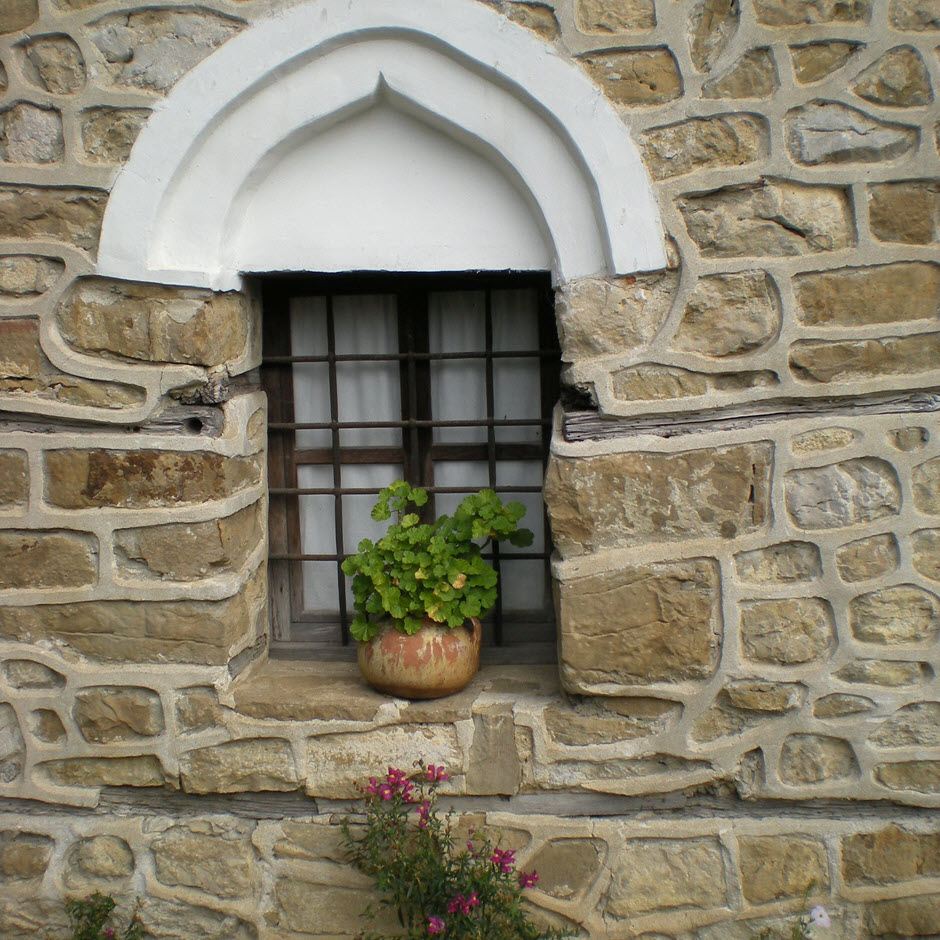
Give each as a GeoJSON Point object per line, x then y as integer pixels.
{"type": "Point", "coordinates": [420, 590]}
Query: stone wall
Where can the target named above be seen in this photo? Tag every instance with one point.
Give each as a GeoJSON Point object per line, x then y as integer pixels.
{"type": "Point", "coordinates": [747, 533]}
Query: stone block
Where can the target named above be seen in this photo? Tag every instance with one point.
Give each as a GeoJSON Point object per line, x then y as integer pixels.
{"type": "Point", "coordinates": [908, 212]}
{"type": "Point", "coordinates": [823, 439]}
{"type": "Point", "coordinates": [840, 705]}
{"type": "Point", "coordinates": [96, 860]}
{"type": "Point", "coordinates": [28, 276]}
{"type": "Point", "coordinates": [905, 917]}
{"type": "Point", "coordinates": [54, 63]}
{"type": "Point", "coordinates": [282, 696]}
{"type": "Point", "coordinates": [915, 725]}
{"type": "Point", "coordinates": [868, 558]}
{"type": "Point", "coordinates": [895, 616]}
{"type": "Point", "coordinates": [14, 479]}
{"type": "Point", "coordinates": [652, 382]}
{"type": "Point", "coordinates": [61, 213]}
{"type": "Point", "coordinates": [246, 765]}
{"type": "Point", "coordinates": [31, 134]}
{"type": "Point", "coordinates": [799, 12]}
{"type": "Point", "coordinates": [842, 494]}
{"type": "Point", "coordinates": [568, 868]}
{"type": "Point", "coordinates": [919, 776]}
{"type": "Point", "coordinates": [310, 841]}
{"type": "Point", "coordinates": [659, 623]}
{"type": "Point", "coordinates": [151, 49]}
{"type": "Point", "coordinates": [12, 746]}
{"type": "Point", "coordinates": [889, 674]}
{"type": "Point", "coordinates": [614, 16]}
{"type": "Point", "coordinates": [18, 14]}
{"type": "Point", "coordinates": [776, 867]}
{"type": "Point", "coordinates": [712, 25]}
{"type": "Point", "coordinates": [761, 695]}
{"type": "Point", "coordinates": [46, 725]}
{"type": "Point", "coordinates": [773, 217]}
{"type": "Point", "coordinates": [27, 674]}
{"type": "Point", "coordinates": [20, 354]}
{"type": "Point", "coordinates": [83, 479]}
{"type": "Point", "coordinates": [753, 75]}
{"type": "Point", "coordinates": [619, 500]}
{"type": "Point", "coordinates": [925, 480]}
{"type": "Point", "coordinates": [581, 722]}
{"type": "Point", "coordinates": [635, 77]}
{"type": "Point", "coordinates": [890, 855]}
{"type": "Point", "coordinates": [155, 323]}
{"type": "Point", "coordinates": [860, 360]}
{"type": "Point", "coordinates": [914, 15]}
{"type": "Point", "coordinates": [162, 918]}
{"type": "Point", "coordinates": [197, 708]}
{"type": "Point", "coordinates": [600, 317]}
{"type": "Point", "coordinates": [730, 314]}
{"type": "Point", "coordinates": [325, 909]}
{"type": "Point", "coordinates": [191, 550]}
{"type": "Point", "coordinates": [817, 60]}
{"type": "Point", "coordinates": [31, 558]}
{"type": "Point", "coordinates": [538, 17]}
{"type": "Point", "coordinates": [721, 140]}
{"type": "Point", "coordinates": [213, 856]}
{"type": "Point", "coordinates": [783, 563]}
{"type": "Point", "coordinates": [142, 771]}
{"type": "Point", "coordinates": [107, 714]}
{"type": "Point", "coordinates": [495, 766]}
{"type": "Point", "coordinates": [24, 856]}
{"type": "Point", "coordinates": [108, 134]}
{"type": "Point", "coordinates": [789, 631]}
{"type": "Point", "coordinates": [719, 721]}
{"type": "Point", "coordinates": [908, 439]}
{"type": "Point", "coordinates": [899, 79]}
{"type": "Point", "coordinates": [816, 758]}
{"type": "Point", "coordinates": [823, 133]}
{"type": "Point", "coordinates": [926, 558]}
{"type": "Point", "coordinates": [666, 874]}
{"type": "Point", "coordinates": [888, 293]}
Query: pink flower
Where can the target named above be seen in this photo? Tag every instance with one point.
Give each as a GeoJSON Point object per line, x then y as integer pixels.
{"type": "Point", "coordinates": [528, 879]}
{"type": "Point", "coordinates": [504, 860]}
{"type": "Point", "coordinates": [436, 774]}
{"type": "Point", "coordinates": [423, 811]}
{"type": "Point", "coordinates": [109, 932]}
{"type": "Point", "coordinates": [461, 904]}
{"type": "Point", "coordinates": [396, 777]}
{"type": "Point", "coordinates": [435, 925]}
{"type": "Point", "coordinates": [819, 917]}
{"type": "Point", "coordinates": [385, 791]}
{"type": "Point", "coordinates": [373, 787]}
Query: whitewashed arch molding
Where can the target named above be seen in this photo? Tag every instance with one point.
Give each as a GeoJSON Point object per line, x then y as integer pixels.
{"type": "Point", "coordinates": [371, 135]}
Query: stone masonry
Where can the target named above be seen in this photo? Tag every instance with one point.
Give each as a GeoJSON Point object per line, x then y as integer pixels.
{"type": "Point", "coordinates": [744, 715]}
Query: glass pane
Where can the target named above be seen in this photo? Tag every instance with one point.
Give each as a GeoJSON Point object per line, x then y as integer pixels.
{"type": "Point", "coordinates": [456, 323]}
{"type": "Point", "coordinates": [311, 379]}
{"type": "Point", "coordinates": [524, 473]}
{"type": "Point", "coordinates": [317, 537]}
{"type": "Point", "coordinates": [522, 584]}
{"type": "Point", "coordinates": [470, 474]}
{"type": "Point", "coordinates": [320, 591]}
{"type": "Point", "coordinates": [517, 382]}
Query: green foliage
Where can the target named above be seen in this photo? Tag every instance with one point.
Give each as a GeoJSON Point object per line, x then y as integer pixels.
{"type": "Point", "coordinates": [433, 570]}
{"type": "Point", "coordinates": [437, 888]}
{"type": "Point", "coordinates": [90, 919]}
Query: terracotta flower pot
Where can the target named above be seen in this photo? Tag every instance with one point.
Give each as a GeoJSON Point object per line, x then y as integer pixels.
{"type": "Point", "coordinates": [434, 662]}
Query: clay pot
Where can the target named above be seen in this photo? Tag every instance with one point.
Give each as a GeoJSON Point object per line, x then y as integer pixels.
{"type": "Point", "coordinates": [434, 662]}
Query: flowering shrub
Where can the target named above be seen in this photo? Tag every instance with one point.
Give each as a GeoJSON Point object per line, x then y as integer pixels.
{"type": "Point", "coordinates": [90, 919]}
{"type": "Point", "coordinates": [438, 888]}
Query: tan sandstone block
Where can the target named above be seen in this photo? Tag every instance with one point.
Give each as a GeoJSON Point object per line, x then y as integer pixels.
{"type": "Point", "coordinates": [24, 856]}
{"type": "Point", "coordinates": [20, 354]}
{"type": "Point", "coordinates": [915, 725]}
{"type": "Point", "coordinates": [858, 360]}
{"type": "Point", "coordinates": [280, 695]}
{"type": "Point", "coordinates": [712, 25]}
{"type": "Point", "coordinates": [66, 214]}
{"type": "Point", "coordinates": [211, 855]}
{"type": "Point", "coordinates": [651, 382]}
{"type": "Point", "coordinates": [899, 79]}
{"type": "Point", "coordinates": [18, 14]}
{"type": "Point", "coordinates": [905, 917]}
{"type": "Point", "coordinates": [240, 766]}
{"type": "Point", "coordinates": [816, 758]}
{"type": "Point", "coordinates": [909, 212]}
{"type": "Point", "coordinates": [888, 674]}
{"type": "Point", "coordinates": [28, 275]}
{"type": "Point", "coordinates": [820, 440]}
{"type": "Point", "coordinates": [27, 674]}
{"type": "Point", "coordinates": [14, 479]}
{"type": "Point", "coordinates": [162, 918]}
{"type": "Point", "coordinates": [46, 725]}
{"type": "Point", "coordinates": [919, 776]}
{"type": "Point", "coordinates": [761, 695]}
{"type": "Point", "coordinates": [495, 766]}
{"type": "Point", "coordinates": [775, 867]}
{"type": "Point", "coordinates": [54, 63]}
{"type": "Point", "coordinates": [580, 721]}
{"type": "Point", "coordinates": [108, 134]}
{"type": "Point", "coordinates": [654, 624]}
{"type": "Point", "coordinates": [635, 77]}
{"type": "Point", "coordinates": [839, 705]}
{"type": "Point", "coordinates": [781, 564]}
{"type": "Point", "coordinates": [615, 16]}
{"type": "Point", "coordinates": [914, 15]}
{"type": "Point", "coordinates": [926, 560]}
{"type": "Point", "coordinates": [753, 75]}
{"type": "Point", "coordinates": [538, 17]}
{"type": "Point", "coordinates": [105, 714]}
{"type": "Point", "coordinates": [616, 500]}
{"type": "Point", "coordinates": [97, 860]}
{"type": "Point", "coordinates": [790, 631]}
{"type": "Point", "coordinates": [144, 771]}
{"type": "Point", "coordinates": [816, 60]}
{"type": "Point", "coordinates": [868, 558]}
{"type": "Point", "coordinates": [80, 479]}
{"type": "Point", "coordinates": [198, 708]}
{"type": "Point", "coordinates": [890, 855]}
{"type": "Point", "coordinates": [925, 480]}
{"type": "Point", "coordinates": [331, 907]}
{"type": "Point", "coordinates": [798, 12]}
{"type": "Point", "coordinates": [30, 134]}
{"type": "Point", "coordinates": [568, 868]}
{"type": "Point", "coordinates": [12, 745]}
{"type": "Point", "coordinates": [895, 616]}
{"type": "Point", "coordinates": [37, 559]}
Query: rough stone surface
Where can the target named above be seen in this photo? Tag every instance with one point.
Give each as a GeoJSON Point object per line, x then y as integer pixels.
{"type": "Point", "coordinates": [568, 867]}
{"type": "Point", "coordinates": [106, 714]}
{"type": "Point", "coordinates": [729, 314]}
{"type": "Point", "coordinates": [822, 361]}
{"type": "Point", "coordinates": [197, 708]}
{"type": "Point", "coordinates": [822, 439]}
{"type": "Point", "coordinates": [303, 904]}
{"type": "Point", "coordinates": [889, 293]}
{"type": "Point", "coordinates": [905, 917]}
{"type": "Point", "coordinates": [908, 439]}
{"type": "Point", "coordinates": [816, 758]}
{"type": "Point", "coordinates": [239, 766]}
{"type": "Point", "coordinates": [152, 49]}
{"type": "Point", "coordinates": [839, 705]}
{"type": "Point", "coordinates": [99, 859]}
{"type": "Point", "coordinates": [65, 213]}
{"type": "Point", "coordinates": [638, 625]}
{"type": "Point", "coordinates": [920, 775]}
{"type": "Point", "coordinates": [109, 133]}
{"type": "Point", "coordinates": [31, 134]}
{"type": "Point", "coordinates": [12, 746]}
{"type": "Point", "coordinates": [597, 317]}
{"type": "Point", "coordinates": [772, 217]}
{"type": "Point", "coordinates": [826, 132]}
{"type": "Point", "coordinates": [283, 696]}
{"type": "Point", "coordinates": [28, 275]}
{"type": "Point", "coordinates": [538, 17]}
{"type": "Point", "coordinates": [907, 212]}
{"type": "Point", "coordinates": [926, 553]}
{"type": "Point", "coordinates": [54, 63]}
{"type": "Point", "coordinates": [213, 856]}
{"type": "Point", "coordinates": [615, 16]}
{"type": "Point", "coordinates": [914, 15]}
{"type": "Point", "coordinates": [758, 695]}
{"type": "Point", "coordinates": [651, 382]}
{"type": "Point", "coordinates": [780, 564]}
{"type": "Point", "coordinates": [155, 323]}
{"type": "Point", "coordinates": [916, 725]}
{"type": "Point", "coordinates": [495, 766]}
{"type": "Point", "coordinates": [775, 867]}
{"type": "Point", "coordinates": [789, 631]}
{"type": "Point", "coordinates": [664, 874]}
{"type": "Point", "coordinates": [701, 143]}
{"type": "Point", "coordinates": [80, 479]}
{"type": "Point", "coordinates": [585, 721]}
{"type": "Point", "coordinates": [47, 726]}
{"type": "Point", "coordinates": [754, 75]}
{"type": "Point", "coordinates": [842, 494]}
{"type": "Point", "coordinates": [20, 355]}
{"type": "Point", "coordinates": [14, 478]}
{"type": "Point", "coordinates": [18, 14]}
{"type": "Point", "coordinates": [895, 616]}
{"type": "Point", "coordinates": [24, 856]}
{"type": "Point", "coordinates": [190, 551]}
{"type": "Point", "coordinates": [619, 499]}
{"type": "Point", "coordinates": [889, 855]}
{"type": "Point", "coordinates": [868, 558]}
{"type": "Point", "coordinates": [816, 60]}
{"type": "Point", "coordinates": [162, 918]}
{"type": "Point", "coordinates": [926, 486]}
{"type": "Point", "coordinates": [27, 674]}
{"type": "Point", "coordinates": [635, 76]}
{"type": "Point", "coordinates": [898, 79]}
{"type": "Point", "coordinates": [798, 12]}
{"type": "Point", "coordinates": [144, 771]}
{"type": "Point", "coordinates": [890, 674]}
{"type": "Point", "coordinates": [38, 559]}
{"type": "Point", "coordinates": [712, 25]}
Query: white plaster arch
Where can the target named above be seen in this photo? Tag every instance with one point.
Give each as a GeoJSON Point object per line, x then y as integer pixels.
{"type": "Point", "coordinates": [487, 152]}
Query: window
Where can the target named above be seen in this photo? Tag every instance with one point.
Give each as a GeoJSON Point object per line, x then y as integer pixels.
{"type": "Point", "coordinates": [446, 381]}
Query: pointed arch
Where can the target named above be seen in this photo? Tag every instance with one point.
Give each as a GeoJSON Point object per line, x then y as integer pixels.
{"type": "Point", "coordinates": [261, 157]}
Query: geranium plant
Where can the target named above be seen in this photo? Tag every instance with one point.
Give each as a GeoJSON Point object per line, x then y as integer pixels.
{"type": "Point", "coordinates": [431, 570]}
{"type": "Point", "coordinates": [437, 884]}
